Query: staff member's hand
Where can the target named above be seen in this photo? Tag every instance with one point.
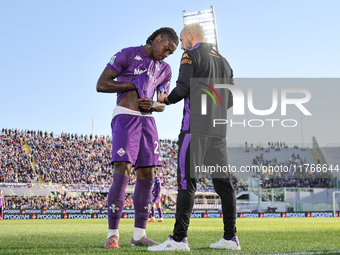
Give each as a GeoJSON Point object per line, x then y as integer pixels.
{"type": "Point", "coordinates": [161, 95]}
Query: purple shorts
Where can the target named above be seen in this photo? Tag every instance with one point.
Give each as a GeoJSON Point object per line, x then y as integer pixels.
{"type": "Point", "coordinates": [135, 139]}
{"type": "Point", "coordinates": [156, 200]}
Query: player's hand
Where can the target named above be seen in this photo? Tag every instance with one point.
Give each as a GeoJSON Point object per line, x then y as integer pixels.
{"type": "Point", "coordinates": [161, 95]}
{"type": "Point", "coordinates": [145, 103]}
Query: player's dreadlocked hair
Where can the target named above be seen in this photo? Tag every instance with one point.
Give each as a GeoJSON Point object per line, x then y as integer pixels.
{"type": "Point", "coordinates": [164, 31]}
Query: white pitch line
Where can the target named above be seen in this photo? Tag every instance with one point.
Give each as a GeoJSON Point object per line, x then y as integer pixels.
{"type": "Point", "coordinates": [306, 253]}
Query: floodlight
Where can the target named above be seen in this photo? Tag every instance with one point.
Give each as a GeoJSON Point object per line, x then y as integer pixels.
{"type": "Point", "coordinates": [206, 19]}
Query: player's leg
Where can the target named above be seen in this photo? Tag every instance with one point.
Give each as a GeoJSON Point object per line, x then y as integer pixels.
{"type": "Point", "coordinates": [142, 204]}
{"type": "Point", "coordinates": [188, 156]}
{"type": "Point", "coordinates": [217, 155]}
{"type": "Point", "coordinates": [224, 188]}
{"type": "Point", "coordinates": [116, 199]}
{"type": "Point", "coordinates": [160, 211]}
{"type": "Point", "coordinates": [125, 138]}
{"type": "Point", "coordinates": [185, 200]}
{"type": "Point", "coordinates": [153, 213]}
{"type": "Point", "coordinates": [149, 157]}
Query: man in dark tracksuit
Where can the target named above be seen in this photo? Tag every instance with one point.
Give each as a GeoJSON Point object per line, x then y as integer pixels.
{"type": "Point", "coordinates": [200, 141]}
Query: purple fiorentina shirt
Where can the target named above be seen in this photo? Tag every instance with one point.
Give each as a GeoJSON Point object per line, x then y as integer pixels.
{"type": "Point", "coordinates": [134, 65]}
{"type": "Point", "coordinates": [156, 186]}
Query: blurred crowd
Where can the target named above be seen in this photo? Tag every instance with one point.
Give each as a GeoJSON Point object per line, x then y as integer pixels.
{"type": "Point", "coordinates": [92, 201]}
{"type": "Point", "coordinates": [300, 178]}
{"type": "Point", "coordinates": [20, 202]}
{"type": "Point", "coordinates": [30, 156]}
{"type": "Point", "coordinates": [66, 201]}
{"type": "Point", "coordinates": [68, 159]}
{"type": "Point", "coordinates": [15, 163]}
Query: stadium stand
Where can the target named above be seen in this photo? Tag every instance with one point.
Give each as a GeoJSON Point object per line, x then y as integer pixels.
{"type": "Point", "coordinates": [15, 164]}
{"type": "Point", "coordinates": [279, 156]}
{"type": "Point", "coordinates": [92, 201]}
{"type": "Point", "coordinates": [33, 157]}
{"type": "Point", "coordinates": [331, 155]}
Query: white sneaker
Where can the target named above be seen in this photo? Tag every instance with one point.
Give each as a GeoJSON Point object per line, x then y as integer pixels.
{"type": "Point", "coordinates": [232, 244]}
{"type": "Point", "coordinates": [171, 245]}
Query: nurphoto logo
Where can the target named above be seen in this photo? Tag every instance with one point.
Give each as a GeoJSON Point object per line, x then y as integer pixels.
{"type": "Point", "coordinates": [239, 105]}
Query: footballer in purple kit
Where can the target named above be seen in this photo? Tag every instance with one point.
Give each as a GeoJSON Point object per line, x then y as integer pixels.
{"type": "Point", "coordinates": [140, 71]}
{"type": "Point", "coordinates": [156, 199]}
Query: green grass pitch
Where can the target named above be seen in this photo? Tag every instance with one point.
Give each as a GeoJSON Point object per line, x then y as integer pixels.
{"type": "Point", "coordinates": [257, 236]}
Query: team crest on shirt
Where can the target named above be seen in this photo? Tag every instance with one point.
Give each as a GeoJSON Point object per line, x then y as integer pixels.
{"type": "Point", "coordinates": [121, 152]}
{"type": "Point", "coordinates": [112, 60]}
{"type": "Point", "coordinates": [157, 67]}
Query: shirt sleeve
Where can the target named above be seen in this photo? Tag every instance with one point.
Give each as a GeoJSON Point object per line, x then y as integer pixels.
{"type": "Point", "coordinates": [166, 83]}
{"type": "Point", "coordinates": [186, 72]}
{"type": "Point", "coordinates": [119, 61]}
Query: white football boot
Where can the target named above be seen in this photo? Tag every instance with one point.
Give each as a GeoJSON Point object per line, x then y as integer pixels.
{"type": "Point", "coordinates": [232, 244]}
{"type": "Point", "coordinates": [171, 245]}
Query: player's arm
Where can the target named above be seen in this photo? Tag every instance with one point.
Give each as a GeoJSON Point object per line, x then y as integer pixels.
{"type": "Point", "coordinates": [107, 84]}
{"type": "Point", "coordinates": [160, 189]}
{"type": "Point", "coordinates": [148, 104]}
{"type": "Point", "coordinates": [182, 88]}
{"type": "Point", "coordinates": [157, 106]}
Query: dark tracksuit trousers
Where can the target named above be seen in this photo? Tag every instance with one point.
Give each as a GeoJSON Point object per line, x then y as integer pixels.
{"type": "Point", "coordinates": [194, 150]}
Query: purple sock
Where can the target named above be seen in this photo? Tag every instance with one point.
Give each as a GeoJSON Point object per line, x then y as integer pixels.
{"type": "Point", "coordinates": [142, 202]}
{"type": "Point", "coordinates": [153, 212]}
{"type": "Point", "coordinates": [116, 199]}
{"type": "Point", "coordinates": [160, 212]}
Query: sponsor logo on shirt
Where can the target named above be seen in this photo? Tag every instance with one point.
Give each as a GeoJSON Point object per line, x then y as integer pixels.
{"type": "Point", "coordinates": [150, 74]}
{"type": "Point", "coordinates": [152, 77]}
{"type": "Point", "coordinates": [186, 61]}
{"type": "Point", "coordinates": [138, 58]}
{"type": "Point", "coordinates": [138, 71]}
